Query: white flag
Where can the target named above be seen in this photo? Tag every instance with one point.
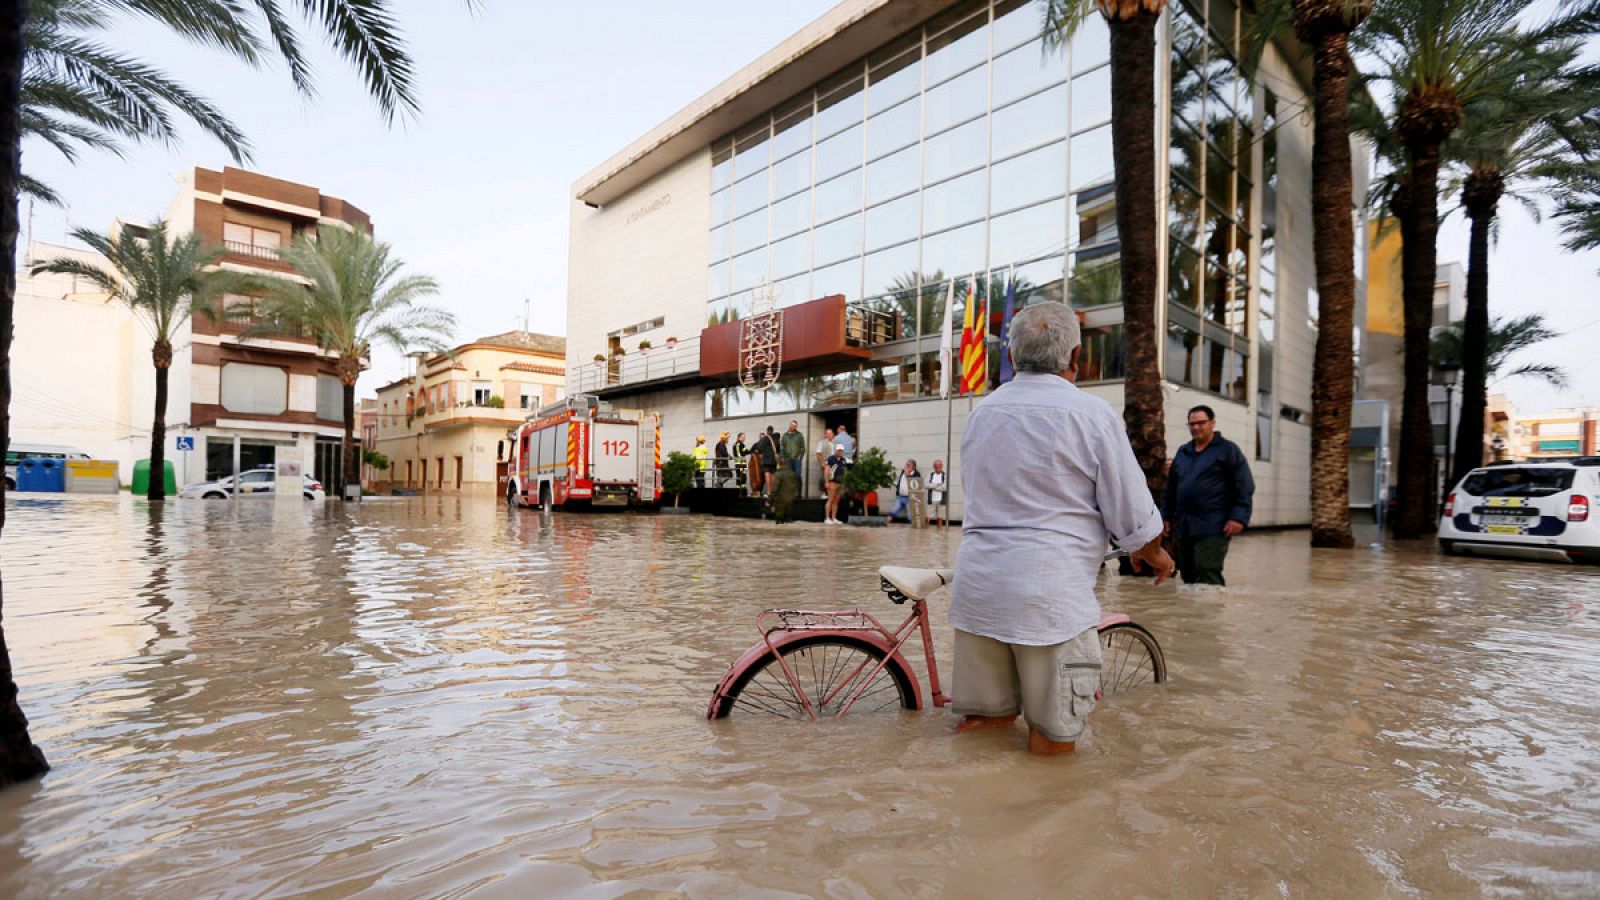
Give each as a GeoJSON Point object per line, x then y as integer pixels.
{"type": "Point", "coordinates": [946, 349]}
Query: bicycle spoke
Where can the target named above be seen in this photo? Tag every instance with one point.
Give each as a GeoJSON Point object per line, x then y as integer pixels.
{"type": "Point", "coordinates": [826, 673]}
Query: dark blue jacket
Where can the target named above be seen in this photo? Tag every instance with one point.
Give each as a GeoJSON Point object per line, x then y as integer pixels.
{"type": "Point", "coordinates": [1206, 489]}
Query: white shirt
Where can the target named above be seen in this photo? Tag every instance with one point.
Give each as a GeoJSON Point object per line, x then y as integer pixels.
{"type": "Point", "coordinates": [1050, 478]}
{"type": "Point", "coordinates": [824, 448]}
{"type": "Point", "coordinates": [849, 445]}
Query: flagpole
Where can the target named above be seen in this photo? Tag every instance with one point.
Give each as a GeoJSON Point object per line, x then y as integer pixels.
{"type": "Point", "coordinates": [947, 375]}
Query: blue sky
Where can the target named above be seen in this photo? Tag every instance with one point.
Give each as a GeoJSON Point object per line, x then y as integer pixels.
{"type": "Point", "coordinates": [520, 99]}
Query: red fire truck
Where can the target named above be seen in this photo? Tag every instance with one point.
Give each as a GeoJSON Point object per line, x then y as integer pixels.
{"type": "Point", "coordinates": [582, 452]}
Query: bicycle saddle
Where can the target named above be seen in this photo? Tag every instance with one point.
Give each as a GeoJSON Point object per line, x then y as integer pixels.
{"type": "Point", "coordinates": [902, 583]}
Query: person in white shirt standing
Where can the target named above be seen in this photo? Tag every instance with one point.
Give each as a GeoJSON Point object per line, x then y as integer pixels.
{"type": "Point", "coordinates": [822, 451]}
{"type": "Point", "coordinates": [1049, 478]}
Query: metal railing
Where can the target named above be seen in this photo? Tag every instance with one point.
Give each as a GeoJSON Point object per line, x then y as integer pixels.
{"type": "Point", "coordinates": [244, 249]}
{"type": "Point", "coordinates": [638, 367]}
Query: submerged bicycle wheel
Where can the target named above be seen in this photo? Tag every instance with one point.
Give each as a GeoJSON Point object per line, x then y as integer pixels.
{"type": "Point", "coordinates": [830, 669]}
{"type": "Point", "coordinates": [1130, 658]}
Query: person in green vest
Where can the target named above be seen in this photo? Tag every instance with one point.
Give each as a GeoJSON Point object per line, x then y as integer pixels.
{"type": "Point", "coordinates": [702, 457]}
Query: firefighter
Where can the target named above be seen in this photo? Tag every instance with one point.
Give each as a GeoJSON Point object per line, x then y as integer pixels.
{"type": "Point", "coordinates": [702, 456]}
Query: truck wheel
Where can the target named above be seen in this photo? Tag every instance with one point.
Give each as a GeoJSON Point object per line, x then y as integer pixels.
{"type": "Point", "coordinates": [511, 495]}
{"type": "Point", "coordinates": [546, 498]}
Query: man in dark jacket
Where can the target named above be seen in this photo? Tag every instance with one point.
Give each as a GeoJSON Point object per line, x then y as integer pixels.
{"type": "Point", "coordinates": [766, 449]}
{"type": "Point", "coordinates": [1209, 491]}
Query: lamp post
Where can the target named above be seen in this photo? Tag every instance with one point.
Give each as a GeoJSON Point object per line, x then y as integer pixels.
{"type": "Point", "coordinates": [1448, 372]}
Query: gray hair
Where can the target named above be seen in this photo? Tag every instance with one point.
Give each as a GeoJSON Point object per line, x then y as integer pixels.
{"type": "Point", "coordinates": [1043, 337]}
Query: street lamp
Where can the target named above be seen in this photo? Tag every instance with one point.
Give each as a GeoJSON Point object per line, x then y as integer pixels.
{"type": "Point", "coordinates": [1448, 371]}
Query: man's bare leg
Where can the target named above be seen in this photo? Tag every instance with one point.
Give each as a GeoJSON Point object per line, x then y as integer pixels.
{"type": "Point", "coordinates": [1038, 743]}
{"type": "Point", "coordinates": [974, 723]}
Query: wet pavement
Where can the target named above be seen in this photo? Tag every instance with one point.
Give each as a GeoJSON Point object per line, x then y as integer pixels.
{"type": "Point", "coordinates": [429, 697]}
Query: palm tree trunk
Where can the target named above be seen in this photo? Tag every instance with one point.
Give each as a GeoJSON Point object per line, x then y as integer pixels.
{"type": "Point", "coordinates": [347, 450]}
{"type": "Point", "coordinates": [349, 463]}
{"type": "Point", "coordinates": [1333, 385]}
{"type": "Point", "coordinates": [1419, 225]}
{"type": "Point", "coordinates": [1133, 132]}
{"type": "Point", "coordinates": [161, 355]}
{"type": "Point", "coordinates": [1481, 196]}
{"type": "Point", "coordinates": [20, 759]}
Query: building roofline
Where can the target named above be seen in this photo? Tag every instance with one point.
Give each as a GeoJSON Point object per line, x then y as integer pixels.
{"type": "Point", "coordinates": [833, 40]}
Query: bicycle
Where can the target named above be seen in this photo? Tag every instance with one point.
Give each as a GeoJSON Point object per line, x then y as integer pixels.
{"type": "Point", "coordinates": [811, 664]}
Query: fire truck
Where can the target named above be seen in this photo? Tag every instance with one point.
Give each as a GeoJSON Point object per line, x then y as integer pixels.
{"type": "Point", "coordinates": [581, 452]}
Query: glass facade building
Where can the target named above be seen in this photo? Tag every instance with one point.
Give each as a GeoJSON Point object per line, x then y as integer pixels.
{"type": "Point", "coordinates": [980, 145]}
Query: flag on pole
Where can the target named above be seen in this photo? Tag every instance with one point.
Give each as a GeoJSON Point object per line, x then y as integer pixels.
{"type": "Point", "coordinates": [974, 337]}
{"type": "Point", "coordinates": [946, 347]}
{"type": "Point", "coordinates": [1006, 371]}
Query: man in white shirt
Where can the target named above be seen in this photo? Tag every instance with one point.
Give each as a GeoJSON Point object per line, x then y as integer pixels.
{"type": "Point", "coordinates": [1050, 478]}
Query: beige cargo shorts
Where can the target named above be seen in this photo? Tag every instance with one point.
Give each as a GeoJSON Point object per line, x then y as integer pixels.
{"type": "Point", "coordinates": [1053, 687]}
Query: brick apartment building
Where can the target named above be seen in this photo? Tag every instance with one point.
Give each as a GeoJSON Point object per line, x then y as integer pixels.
{"type": "Point", "coordinates": [248, 399]}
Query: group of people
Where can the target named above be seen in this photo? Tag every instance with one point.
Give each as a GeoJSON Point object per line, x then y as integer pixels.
{"type": "Point", "coordinates": [751, 467]}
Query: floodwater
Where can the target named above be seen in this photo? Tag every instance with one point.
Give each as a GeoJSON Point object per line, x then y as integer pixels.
{"type": "Point", "coordinates": [430, 697]}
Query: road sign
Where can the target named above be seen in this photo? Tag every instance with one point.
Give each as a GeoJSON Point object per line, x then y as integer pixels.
{"type": "Point", "coordinates": [186, 442]}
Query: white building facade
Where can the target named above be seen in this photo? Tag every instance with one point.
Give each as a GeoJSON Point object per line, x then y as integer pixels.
{"type": "Point", "coordinates": [849, 174]}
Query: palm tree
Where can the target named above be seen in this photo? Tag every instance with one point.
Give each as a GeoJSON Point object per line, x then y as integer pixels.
{"type": "Point", "coordinates": [1510, 143]}
{"type": "Point", "coordinates": [356, 296]}
{"type": "Point", "coordinates": [78, 94]}
{"type": "Point", "coordinates": [1505, 338]}
{"type": "Point", "coordinates": [361, 31]}
{"type": "Point", "coordinates": [1578, 210]}
{"type": "Point", "coordinates": [167, 280]}
{"type": "Point", "coordinates": [1325, 27]}
{"type": "Point", "coordinates": [1132, 24]}
{"type": "Point", "coordinates": [1437, 57]}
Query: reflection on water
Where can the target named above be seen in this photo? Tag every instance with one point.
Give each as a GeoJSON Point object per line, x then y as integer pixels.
{"type": "Point", "coordinates": [435, 697]}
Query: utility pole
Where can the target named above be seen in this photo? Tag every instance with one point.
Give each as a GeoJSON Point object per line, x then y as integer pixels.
{"type": "Point", "coordinates": [527, 308]}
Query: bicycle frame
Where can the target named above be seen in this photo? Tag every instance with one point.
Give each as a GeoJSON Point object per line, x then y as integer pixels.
{"type": "Point", "coordinates": [780, 627]}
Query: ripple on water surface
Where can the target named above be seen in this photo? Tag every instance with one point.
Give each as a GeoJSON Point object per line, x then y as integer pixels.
{"type": "Point", "coordinates": [438, 697]}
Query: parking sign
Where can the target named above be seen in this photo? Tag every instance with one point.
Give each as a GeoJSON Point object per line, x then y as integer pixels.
{"type": "Point", "coordinates": [186, 442]}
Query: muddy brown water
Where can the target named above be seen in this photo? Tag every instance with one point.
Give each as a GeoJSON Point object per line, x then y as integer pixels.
{"type": "Point", "coordinates": [432, 697]}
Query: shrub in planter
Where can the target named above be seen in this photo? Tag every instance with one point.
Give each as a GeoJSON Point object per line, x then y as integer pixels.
{"type": "Point", "coordinates": [677, 473]}
{"type": "Point", "coordinates": [495, 401]}
{"type": "Point", "coordinates": [872, 470]}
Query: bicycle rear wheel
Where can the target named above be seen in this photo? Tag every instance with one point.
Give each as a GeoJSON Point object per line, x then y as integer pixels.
{"type": "Point", "coordinates": [830, 669]}
{"type": "Point", "coordinates": [1131, 657]}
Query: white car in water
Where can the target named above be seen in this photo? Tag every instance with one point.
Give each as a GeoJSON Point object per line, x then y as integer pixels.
{"type": "Point", "coordinates": [254, 483]}
{"type": "Point", "coordinates": [1544, 509]}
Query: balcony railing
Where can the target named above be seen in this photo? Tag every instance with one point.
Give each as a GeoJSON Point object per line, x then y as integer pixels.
{"type": "Point", "coordinates": [638, 367]}
{"type": "Point", "coordinates": [243, 249]}
{"type": "Point", "coordinates": [865, 327]}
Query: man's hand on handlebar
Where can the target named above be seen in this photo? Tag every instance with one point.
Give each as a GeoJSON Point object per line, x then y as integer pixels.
{"type": "Point", "coordinates": [1154, 556]}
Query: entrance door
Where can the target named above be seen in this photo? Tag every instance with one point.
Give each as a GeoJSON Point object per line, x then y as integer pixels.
{"type": "Point", "coordinates": [833, 418]}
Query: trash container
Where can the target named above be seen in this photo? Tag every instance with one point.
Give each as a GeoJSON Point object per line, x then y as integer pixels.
{"type": "Point", "coordinates": [141, 478]}
{"type": "Point", "coordinates": [92, 476]}
{"type": "Point", "coordinates": [46, 475]}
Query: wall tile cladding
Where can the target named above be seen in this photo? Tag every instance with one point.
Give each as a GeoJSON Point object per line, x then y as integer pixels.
{"type": "Point", "coordinates": [638, 258]}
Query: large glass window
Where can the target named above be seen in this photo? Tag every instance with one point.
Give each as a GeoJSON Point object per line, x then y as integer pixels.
{"type": "Point", "coordinates": [973, 144]}
{"type": "Point", "coordinates": [1210, 231]}
{"type": "Point", "coordinates": [261, 390]}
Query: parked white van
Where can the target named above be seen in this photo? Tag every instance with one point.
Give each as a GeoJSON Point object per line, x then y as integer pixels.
{"type": "Point", "coordinates": [36, 451]}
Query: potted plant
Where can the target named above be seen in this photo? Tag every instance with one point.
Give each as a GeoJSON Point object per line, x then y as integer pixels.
{"type": "Point", "coordinates": [677, 476]}
{"type": "Point", "coordinates": [495, 401]}
{"type": "Point", "coordinates": [871, 471]}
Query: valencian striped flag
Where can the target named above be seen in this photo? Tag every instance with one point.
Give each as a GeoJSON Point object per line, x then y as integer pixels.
{"type": "Point", "coordinates": [974, 338]}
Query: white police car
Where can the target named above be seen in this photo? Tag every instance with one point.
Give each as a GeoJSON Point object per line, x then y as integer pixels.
{"type": "Point", "coordinates": [257, 482]}
{"type": "Point", "coordinates": [1540, 509]}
